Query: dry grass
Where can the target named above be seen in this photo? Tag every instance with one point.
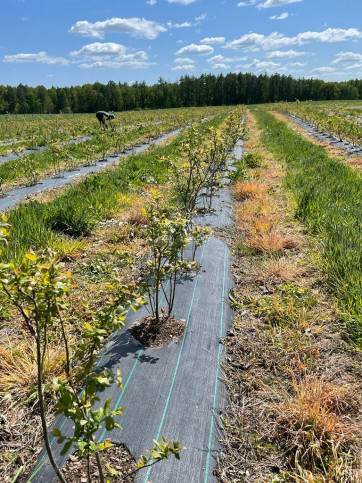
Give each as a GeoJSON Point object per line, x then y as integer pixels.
{"type": "Point", "coordinates": [249, 189]}
{"type": "Point", "coordinates": [271, 242]}
{"type": "Point", "coordinates": [313, 422]}
{"type": "Point", "coordinates": [18, 368]}
{"type": "Point", "coordinates": [279, 269]}
{"type": "Point", "coordinates": [250, 211]}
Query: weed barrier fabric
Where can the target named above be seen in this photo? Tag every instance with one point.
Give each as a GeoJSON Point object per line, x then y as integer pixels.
{"type": "Point", "coordinates": [13, 197]}
{"type": "Point", "coordinates": [333, 140]}
{"type": "Point", "coordinates": [41, 149]}
{"type": "Point", "coordinates": [174, 390]}
{"type": "Point", "coordinates": [80, 139]}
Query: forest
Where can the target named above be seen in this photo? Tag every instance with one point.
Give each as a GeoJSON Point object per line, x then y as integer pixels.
{"type": "Point", "coordinates": [205, 90]}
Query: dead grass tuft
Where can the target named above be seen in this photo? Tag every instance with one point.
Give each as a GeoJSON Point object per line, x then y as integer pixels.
{"type": "Point", "coordinates": [248, 189]}
{"type": "Point", "coordinates": [18, 369]}
{"type": "Point", "coordinates": [279, 269]}
{"type": "Point", "coordinates": [272, 241]}
{"type": "Point", "coordinates": [312, 420]}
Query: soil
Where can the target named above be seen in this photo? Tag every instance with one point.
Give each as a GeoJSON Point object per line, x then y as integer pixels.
{"type": "Point", "coordinates": [155, 335]}
{"type": "Point", "coordinates": [117, 457]}
{"type": "Point", "coordinates": [205, 211]}
{"type": "Point", "coordinates": [194, 268]}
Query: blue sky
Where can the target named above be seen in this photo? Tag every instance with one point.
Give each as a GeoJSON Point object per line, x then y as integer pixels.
{"type": "Point", "coordinates": [74, 42]}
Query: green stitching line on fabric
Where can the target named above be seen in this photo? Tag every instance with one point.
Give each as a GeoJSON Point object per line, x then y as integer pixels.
{"type": "Point", "coordinates": [217, 373]}
{"type": "Point", "coordinates": [178, 362]}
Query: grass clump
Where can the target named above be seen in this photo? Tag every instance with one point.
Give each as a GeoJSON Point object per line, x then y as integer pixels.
{"type": "Point", "coordinates": [312, 420]}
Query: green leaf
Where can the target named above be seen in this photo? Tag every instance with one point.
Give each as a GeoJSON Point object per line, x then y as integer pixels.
{"type": "Point", "coordinates": [66, 447]}
{"type": "Point", "coordinates": [109, 423]}
{"type": "Point", "coordinates": [56, 432]}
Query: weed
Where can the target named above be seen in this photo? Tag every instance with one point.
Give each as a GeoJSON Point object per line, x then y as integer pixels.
{"type": "Point", "coordinates": [253, 159]}
{"type": "Point", "coordinates": [18, 369]}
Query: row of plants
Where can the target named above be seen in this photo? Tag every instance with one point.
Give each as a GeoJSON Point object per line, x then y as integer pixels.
{"type": "Point", "coordinates": [38, 286]}
{"type": "Point", "coordinates": [60, 156]}
{"type": "Point", "coordinates": [38, 289]}
{"type": "Point", "coordinates": [328, 196]}
{"type": "Point", "coordinates": [63, 127]}
{"type": "Point", "coordinates": [325, 119]}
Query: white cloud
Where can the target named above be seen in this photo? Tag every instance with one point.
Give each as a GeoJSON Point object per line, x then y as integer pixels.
{"type": "Point", "coordinates": [221, 66]}
{"type": "Point", "coordinates": [348, 58]}
{"type": "Point", "coordinates": [183, 60]}
{"type": "Point", "coordinates": [187, 24]}
{"type": "Point", "coordinates": [324, 70]}
{"type": "Point", "coordinates": [41, 57]}
{"type": "Point", "coordinates": [136, 27]}
{"type": "Point", "coordinates": [128, 61]}
{"type": "Point", "coordinates": [329, 35]}
{"type": "Point", "coordinates": [110, 55]}
{"type": "Point", "coordinates": [182, 2]}
{"type": "Point", "coordinates": [184, 67]}
{"type": "Point", "coordinates": [247, 4]}
{"type": "Point", "coordinates": [282, 16]}
{"type": "Point", "coordinates": [222, 59]}
{"type": "Point", "coordinates": [213, 40]}
{"type": "Point", "coordinates": [98, 49]}
{"type": "Point", "coordinates": [263, 65]}
{"type": "Point", "coordinates": [276, 3]}
{"type": "Point", "coordinates": [151, 2]}
{"type": "Point", "coordinates": [217, 58]}
{"type": "Point", "coordinates": [246, 41]}
{"type": "Point", "coordinates": [181, 25]}
{"type": "Point", "coordinates": [288, 54]}
{"type": "Point", "coordinates": [194, 49]}
{"type": "Point", "coordinates": [298, 64]}
{"type": "Point", "coordinates": [254, 41]}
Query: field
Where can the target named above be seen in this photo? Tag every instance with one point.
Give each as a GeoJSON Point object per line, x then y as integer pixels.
{"type": "Point", "coordinates": [134, 233]}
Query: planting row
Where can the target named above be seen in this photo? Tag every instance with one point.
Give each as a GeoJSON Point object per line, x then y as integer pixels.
{"type": "Point", "coordinates": [42, 130]}
{"type": "Point", "coordinates": [37, 286]}
{"type": "Point", "coordinates": [326, 120]}
{"type": "Point", "coordinates": [58, 156]}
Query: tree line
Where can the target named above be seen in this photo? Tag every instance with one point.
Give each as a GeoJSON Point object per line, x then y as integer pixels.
{"type": "Point", "coordinates": [207, 89]}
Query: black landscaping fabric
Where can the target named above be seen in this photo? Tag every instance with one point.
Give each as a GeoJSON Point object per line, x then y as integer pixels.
{"type": "Point", "coordinates": [174, 390]}
{"type": "Point", "coordinates": [330, 138]}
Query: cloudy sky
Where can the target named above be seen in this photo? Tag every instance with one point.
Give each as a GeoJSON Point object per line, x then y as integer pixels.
{"type": "Point", "coordinates": [76, 41]}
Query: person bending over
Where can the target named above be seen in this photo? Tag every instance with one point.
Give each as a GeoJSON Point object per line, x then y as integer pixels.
{"type": "Point", "coordinates": [104, 116]}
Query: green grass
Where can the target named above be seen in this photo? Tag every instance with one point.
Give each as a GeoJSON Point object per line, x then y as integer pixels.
{"type": "Point", "coordinates": [329, 201]}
